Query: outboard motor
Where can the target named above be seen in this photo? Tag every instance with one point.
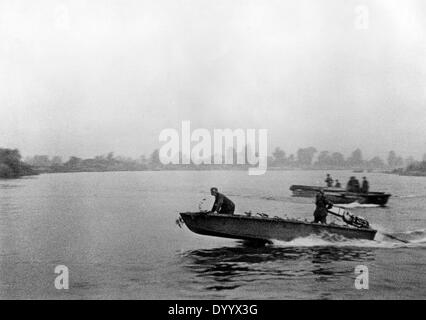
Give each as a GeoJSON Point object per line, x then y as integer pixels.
{"type": "Point", "coordinates": [354, 220]}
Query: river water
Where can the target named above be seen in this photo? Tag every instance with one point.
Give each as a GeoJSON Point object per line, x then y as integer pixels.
{"type": "Point", "coordinates": [116, 234]}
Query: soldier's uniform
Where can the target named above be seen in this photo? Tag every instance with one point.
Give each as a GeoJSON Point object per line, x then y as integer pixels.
{"type": "Point", "coordinates": [223, 204]}
{"type": "Point", "coordinates": [365, 186]}
{"type": "Point", "coordinates": [320, 213]}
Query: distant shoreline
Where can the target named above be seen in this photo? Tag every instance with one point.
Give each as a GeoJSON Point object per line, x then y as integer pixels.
{"type": "Point", "coordinates": [11, 165]}
{"type": "Point", "coordinates": [37, 172]}
{"type": "Point", "coordinates": [207, 169]}
{"type": "Point", "coordinates": [416, 169]}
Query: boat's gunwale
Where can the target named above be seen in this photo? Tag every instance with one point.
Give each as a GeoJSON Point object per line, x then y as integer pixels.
{"type": "Point", "coordinates": [341, 191]}
{"type": "Point", "coordinates": [268, 219]}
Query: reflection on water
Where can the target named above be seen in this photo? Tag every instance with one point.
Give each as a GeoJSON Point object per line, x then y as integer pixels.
{"type": "Point", "coordinates": [231, 267]}
{"type": "Point", "coordinates": [9, 207]}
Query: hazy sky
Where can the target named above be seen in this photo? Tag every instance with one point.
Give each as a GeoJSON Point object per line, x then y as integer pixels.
{"type": "Point", "coordinates": [88, 77]}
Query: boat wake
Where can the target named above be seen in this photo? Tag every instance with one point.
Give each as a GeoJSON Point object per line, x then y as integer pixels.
{"type": "Point", "coordinates": [412, 239]}
{"type": "Point", "coordinates": [356, 204]}
{"type": "Point", "coordinates": [410, 196]}
{"type": "Point", "coordinates": [413, 232]}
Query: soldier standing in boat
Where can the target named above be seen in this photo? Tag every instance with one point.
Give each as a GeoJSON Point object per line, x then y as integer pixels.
{"type": "Point", "coordinates": [322, 205]}
{"type": "Point", "coordinates": [365, 186]}
{"type": "Point", "coordinates": [338, 184]}
{"type": "Point", "coordinates": [329, 180]}
{"type": "Point", "coordinates": [222, 204]}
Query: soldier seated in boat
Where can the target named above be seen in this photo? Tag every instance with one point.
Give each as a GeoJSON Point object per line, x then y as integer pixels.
{"type": "Point", "coordinates": [350, 185]}
{"type": "Point", "coordinates": [338, 184]}
{"type": "Point", "coordinates": [365, 186]}
{"type": "Point", "coordinates": [322, 205]}
{"type": "Point", "coordinates": [222, 204]}
{"type": "Point", "coordinates": [329, 180]}
{"type": "Point", "coordinates": [353, 185]}
{"type": "Point", "coordinates": [357, 186]}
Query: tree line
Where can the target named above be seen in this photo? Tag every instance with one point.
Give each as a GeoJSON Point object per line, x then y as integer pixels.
{"type": "Point", "coordinates": [304, 158]}
{"type": "Point", "coordinates": [11, 165]}
{"type": "Point", "coordinates": [311, 158]}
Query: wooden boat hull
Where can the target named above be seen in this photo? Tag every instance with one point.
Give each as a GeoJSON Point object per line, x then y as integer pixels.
{"type": "Point", "coordinates": [341, 196]}
{"type": "Point", "coordinates": [312, 191]}
{"type": "Point", "coordinates": [265, 229]}
{"type": "Point", "coordinates": [369, 198]}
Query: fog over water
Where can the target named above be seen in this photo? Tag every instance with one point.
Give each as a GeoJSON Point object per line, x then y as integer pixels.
{"type": "Point", "coordinates": [85, 78]}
